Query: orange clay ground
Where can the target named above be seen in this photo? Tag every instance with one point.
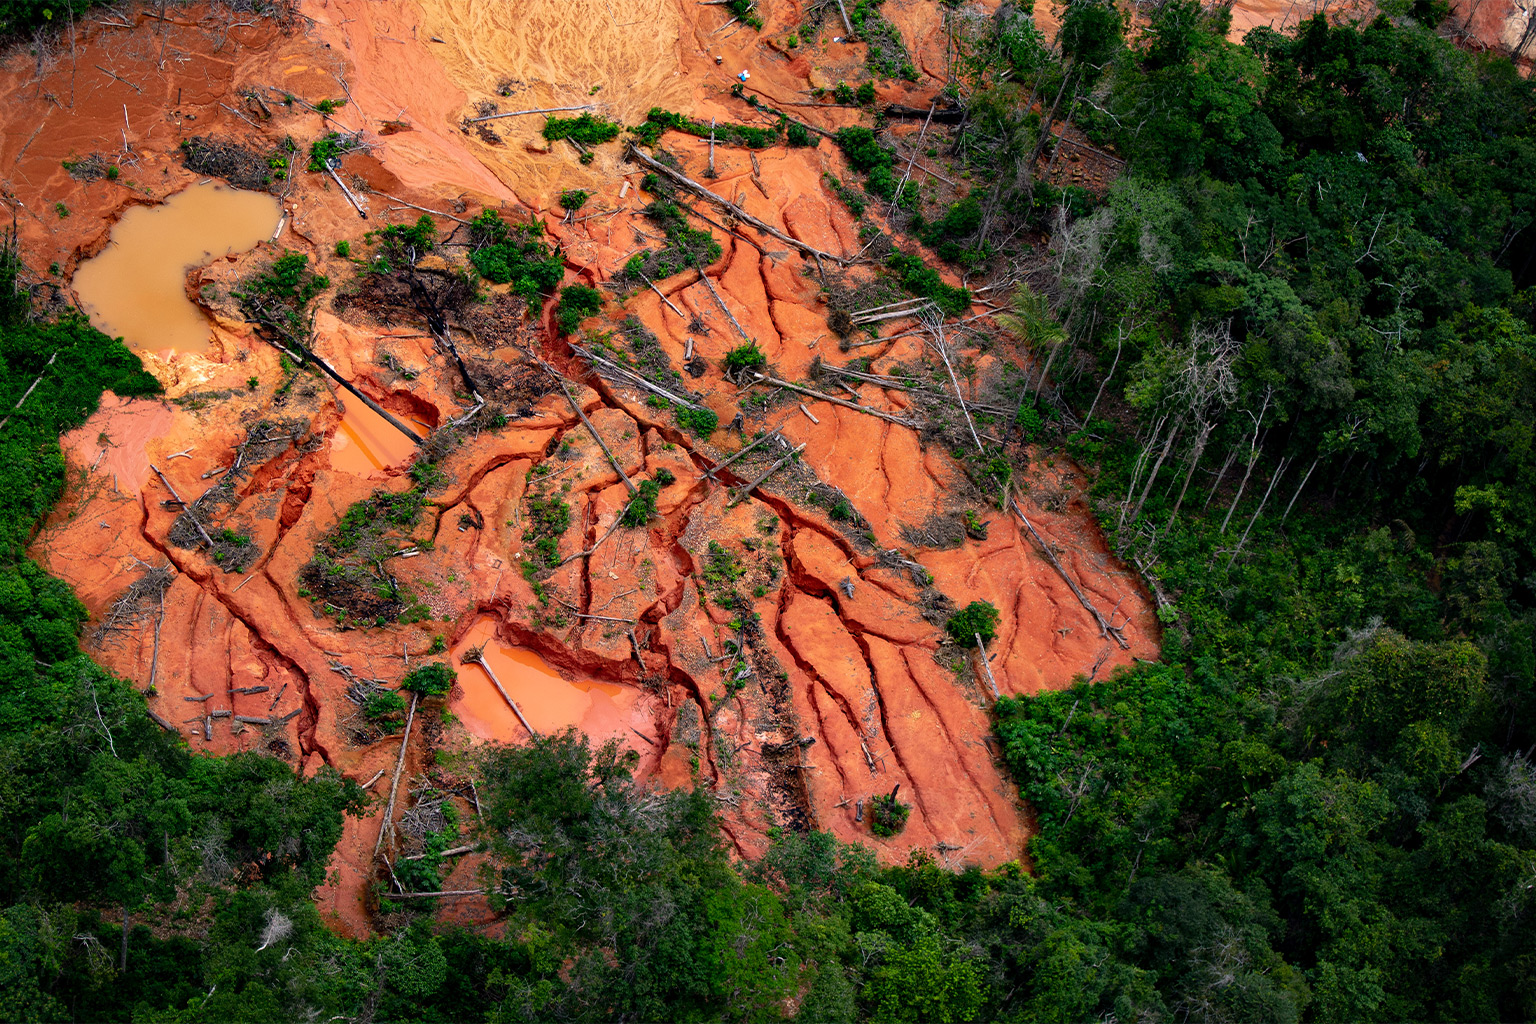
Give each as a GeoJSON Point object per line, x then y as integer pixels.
{"type": "Point", "coordinates": [852, 690]}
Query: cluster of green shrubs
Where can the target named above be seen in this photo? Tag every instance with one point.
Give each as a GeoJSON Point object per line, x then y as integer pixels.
{"type": "Point", "coordinates": [278, 297]}
{"type": "Point", "coordinates": [658, 121]}
{"type": "Point", "coordinates": [642, 507]}
{"type": "Point", "coordinates": [865, 154]}
{"type": "Point", "coordinates": [548, 519]}
{"type": "Point", "coordinates": [887, 814]}
{"type": "Point", "coordinates": [920, 279]}
{"type": "Point", "coordinates": [746, 10]}
{"type": "Point", "coordinates": [515, 254]}
{"type": "Point", "coordinates": [698, 422]}
{"type": "Point", "coordinates": [584, 128]}
{"type": "Point", "coordinates": [577, 302]}
{"type": "Point", "coordinates": [947, 235]}
{"type": "Point", "coordinates": [686, 249]}
{"type": "Point", "coordinates": [327, 148]}
{"type": "Point", "coordinates": [746, 356]}
{"type": "Point", "coordinates": [979, 618]}
{"type": "Point", "coordinates": [433, 680]}
{"type": "Point", "coordinates": [886, 54]}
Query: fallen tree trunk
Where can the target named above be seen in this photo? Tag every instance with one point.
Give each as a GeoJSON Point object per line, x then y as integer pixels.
{"type": "Point", "coordinates": [889, 417]}
{"type": "Point", "coordinates": [949, 115]}
{"type": "Point", "coordinates": [307, 353]}
{"type": "Point", "coordinates": [1105, 626]}
{"type": "Point", "coordinates": [506, 696]}
{"type": "Point", "coordinates": [600, 442]}
{"type": "Point", "coordinates": [520, 113]}
{"type": "Point", "coordinates": [728, 206]}
{"type": "Point", "coordinates": [184, 505]}
{"type": "Point", "coordinates": [749, 488]}
{"type": "Point", "coordinates": [388, 824]}
{"type": "Point", "coordinates": [721, 465]}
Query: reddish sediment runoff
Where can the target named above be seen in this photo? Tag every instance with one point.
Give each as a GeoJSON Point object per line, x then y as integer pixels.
{"type": "Point", "coordinates": [846, 685]}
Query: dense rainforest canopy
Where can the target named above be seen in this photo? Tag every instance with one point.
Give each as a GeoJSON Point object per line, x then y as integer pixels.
{"type": "Point", "coordinates": [1295, 345]}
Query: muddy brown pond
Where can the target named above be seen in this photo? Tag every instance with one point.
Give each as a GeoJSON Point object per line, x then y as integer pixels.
{"type": "Point", "coordinates": [136, 287]}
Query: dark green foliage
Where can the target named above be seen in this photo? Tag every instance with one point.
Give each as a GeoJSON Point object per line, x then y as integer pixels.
{"type": "Point", "coordinates": [699, 422]}
{"type": "Point", "coordinates": [658, 121]}
{"type": "Point", "coordinates": [746, 10]}
{"type": "Point", "coordinates": [746, 356]}
{"type": "Point", "coordinates": [101, 810]}
{"type": "Point", "coordinates": [548, 519]}
{"type": "Point", "coordinates": [19, 16]}
{"type": "Point", "coordinates": [948, 235]}
{"type": "Point", "coordinates": [433, 680]}
{"type": "Point", "coordinates": [384, 708]}
{"type": "Point", "coordinates": [865, 154]}
{"type": "Point", "coordinates": [400, 246]}
{"type": "Point", "coordinates": [976, 618]}
{"type": "Point", "coordinates": [642, 507]}
{"type": "Point", "coordinates": [798, 135]}
{"type": "Point", "coordinates": [279, 297]}
{"type": "Point", "coordinates": [887, 814]}
{"type": "Point", "coordinates": [515, 255]}
{"type": "Point", "coordinates": [574, 199]}
{"type": "Point", "coordinates": [577, 302]}
{"type": "Point", "coordinates": [583, 128]}
{"type": "Point", "coordinates": [851, 198]}
{"type": "Point", "coordinates": [920, 279]}
{"type": "Point", "coordinates": [886, 56]}
{"type": "Point", "coordinates": [347, 573]}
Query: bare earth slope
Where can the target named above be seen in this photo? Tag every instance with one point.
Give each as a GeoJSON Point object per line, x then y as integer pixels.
{"type": "Point", "coordinates": [844, 685]}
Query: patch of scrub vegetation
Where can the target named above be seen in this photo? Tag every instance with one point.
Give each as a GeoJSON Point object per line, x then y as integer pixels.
{"type": "Point", "coordinates": [886, 56]}
{"type": "Point", "coordinates": [239, 165]}
{"type": "Point", "coordinates": [331, 147]}
{"type": "Point", "coordinates": [577, 302]}
{"type": "Point", "coordinates": [687, 248]}
{"type": "Point", "coordinates": [888, 814]}
{"type": "Point", "coordinates": [278, 297]}
{"type": "Point", "coordinates": [349, 575]}
{"type": "Point", "coordinates": [107, 820]}
{"type": "Point", "coordinates": [920, 279]}
{"type": "Point", "coordinates": [979, 618]}
{"type": "Point", "coordinates": [850, 197]}
{"type": "Point", "coordinates": [515, 254]}
{"type": "Point", "coordinates": [746, 10]}
{"type": "Point", "coordinates": [585, 128]}
{"type": "Point", "coordinates": [725, 133]}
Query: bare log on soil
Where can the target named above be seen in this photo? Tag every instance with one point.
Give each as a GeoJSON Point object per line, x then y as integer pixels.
{"type": "Point", "coordinates": [982, 649]}
{"type": "Point", "coordinates": [728, 206]}
{"type": "Point", "coordinates": [207, 539]}
{"type": "Point", "coordinates": [387, 825]}
{"type": "Point", "coordinates": [721, 465]}
{"type": "Point", "coordinates": [749, 488]}
{"type": "Point", "coordinates": [1106, 627]}
{"type": "Point", "coordinates": [600, 442]}
{"type": "Point", "coordinates": [820, 397]}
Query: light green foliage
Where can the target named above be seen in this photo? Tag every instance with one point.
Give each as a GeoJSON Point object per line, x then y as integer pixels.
{"type": "Point", "coordinates": [432, 680]}
{"type": "Point", "coordinates": [977, 618]}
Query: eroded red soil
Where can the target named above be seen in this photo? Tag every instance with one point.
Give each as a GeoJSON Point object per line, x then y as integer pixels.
{"type": "Point", "coordinates": [846, 687]}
